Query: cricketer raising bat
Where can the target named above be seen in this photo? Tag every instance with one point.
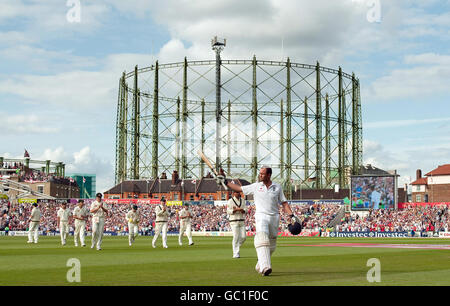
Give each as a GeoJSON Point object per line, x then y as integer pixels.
{"type": "Point", "coordinates": [208, 163]}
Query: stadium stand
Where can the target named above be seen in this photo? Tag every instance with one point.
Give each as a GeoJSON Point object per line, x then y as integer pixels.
{"type": "Point", "coordinates": [207, 217]}
{"type": "Point", "coordinates": [412, 218]}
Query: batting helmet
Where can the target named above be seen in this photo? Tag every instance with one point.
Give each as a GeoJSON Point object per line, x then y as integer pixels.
{"type": "Point", "coordinates": [295, 228]}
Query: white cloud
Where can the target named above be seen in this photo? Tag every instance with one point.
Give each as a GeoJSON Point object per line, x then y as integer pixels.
{"type": "Point", "coordinates": [51, 15]}
{"type": "Point", "coordinates": [427, 59]}
{"type": "Point", "coordinates": [82, 157]}
{"type": "Point", "coordinates": [252, 27]}
{"type": "Point", "coordinates": [82, 161]}
{"type": "Point", "coordinates": [406, 159]}
{"type": "Point", "coordinates": [27, 124]}
{"type": "Point", "coordinates": [80, 90]}
{"type": "Point", "coordinates": [45, 61]}
{"type": "Point", "coordinates": [87, 161]}
{"type": "Point", "coordinates": [377, 155]}
{"type": "Point", "coordinates": [310, 30]}
{"type": "Point", "coordinates": [77, 90]}
{"type": "Point", "coordinates": [15, 37]}
{"type": "Point", "coordinates": [428, 77]}
{"type": "Point", "coordinates": [402, 123]}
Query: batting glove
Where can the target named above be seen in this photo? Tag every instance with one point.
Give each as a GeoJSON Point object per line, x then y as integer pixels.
{"type": "Point", "coordinates": [220, 179]}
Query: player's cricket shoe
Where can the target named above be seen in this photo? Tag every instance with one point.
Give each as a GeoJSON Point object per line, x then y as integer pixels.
{"type": "Point", "coordinates": [29, 241]}
{"type": "Point", "coordinates": [180, 243]}
{"type": "Point", "coordinates": [266, 271]}
{"type": "Point", "coordinates": [237, 255]}
{"type": "Point", "coordinates": [191, 243]}
{"type": "Point", "coordinates": [165, 246]}
{"type": "Point", "coordinates": [257, 267]}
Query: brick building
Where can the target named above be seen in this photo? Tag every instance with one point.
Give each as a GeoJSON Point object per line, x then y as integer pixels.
{"type": "Point", "coordinates": [174, 189]}
{"type": "Point", "coordinates": [60, 188]}
{"type": "Point", "coordinates": [434, 187]}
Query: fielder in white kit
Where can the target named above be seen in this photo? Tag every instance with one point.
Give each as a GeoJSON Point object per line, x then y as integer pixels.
{"type": "Point", "coordinates": [185, 225]}
{"type": "Point", "coordinates": [98, 221]}
{"type": "Point", "coordinates": [33, 228]}
{"type": "Point", "coordinates": [267, 196]}
{"type": "Point", "coordinates": [161, 222]}
{"type": "Point", "coordinates": [133, 218]}
{"type": "Point", "coordinates": [80, 214]}
{"type": "Point", "coordinates": [63, 215]}
{"type": "Point", "coordinates": [236, 210]}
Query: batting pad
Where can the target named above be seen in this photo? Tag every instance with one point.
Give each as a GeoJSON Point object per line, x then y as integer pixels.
{"type": "Point", "coordinates": [273, 245]}
{"type": "Point", "coordinates": [242, 240]}
{"type": "Point", "coordinates": [262, 245]}
{"type": "Point", "coordinates": [261, 240]}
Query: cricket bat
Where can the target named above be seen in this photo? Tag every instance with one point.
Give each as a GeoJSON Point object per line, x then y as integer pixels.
{"type": "Point", "coordinates": [208, 163]}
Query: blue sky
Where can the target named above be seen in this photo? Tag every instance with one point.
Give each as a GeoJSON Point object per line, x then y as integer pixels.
{"type": "Point", "coordinates": [59, 79]}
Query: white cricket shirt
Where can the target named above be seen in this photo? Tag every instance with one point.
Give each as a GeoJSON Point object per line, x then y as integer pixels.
{"type": "Point", "coordinates": [185, 213]}
{"type": "Point", "coordinates": [161, 216]}
{"type": "Point", "coordinates": [100, 214]}
{"type": "Point", "coordinates": [80, 213]}
{"type": "Point", "coordinates": [63, 214]}
{"type": "Point", "coordinates": [266, 199]}
{"type": "Point", "coordinates": [35, 214]}
{"type": "Point", "coordinates": [133, 215]}
{"type": "Point", "coordinates": [240, 203]}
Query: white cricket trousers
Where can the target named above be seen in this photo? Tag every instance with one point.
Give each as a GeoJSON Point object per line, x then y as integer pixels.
{"type": "Point", "coordinates": [97, 233]}
{"type": "Point", "coordinates": [133, 230]}
{"type": "Point", "coordinates": [185, 227]}
{"type": "Point", "coordinates": [33, 231]}
{"type": "Point", "coordinates": [63, 231]}
{"type": "Point", "coordinates": [161, 227]}
{"type": "Point", "coordinates": [239, 236]}
{"type": "Point", "coordinates": [80, 230]}
{"type": "Point", "coordinates": [267, 224]}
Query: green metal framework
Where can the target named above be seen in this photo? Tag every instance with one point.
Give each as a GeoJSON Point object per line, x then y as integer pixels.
{"type": "Point", "coordinates": [46, 166]}
{"type": "Point", "coordinates": [302, 120]}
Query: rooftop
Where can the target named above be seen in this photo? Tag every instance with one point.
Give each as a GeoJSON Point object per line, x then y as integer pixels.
{"type": "Point", "coordinates": [371, 170]}
{"type": "Point", "coordinates": [440, 170]}
{"type": "Point", "coordinates": [205, 185]}
{"type": "Point", "coordinates": [421, 181]}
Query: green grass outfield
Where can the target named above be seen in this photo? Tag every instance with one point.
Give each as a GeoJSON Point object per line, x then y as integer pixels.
{"type": "Point", "coordinates": [210, 262]}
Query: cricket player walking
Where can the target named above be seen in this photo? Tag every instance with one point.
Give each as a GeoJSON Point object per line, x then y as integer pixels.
{"type": "Point", "coordinates": [98, 221]}
{"type": "Point", "coordinates": [162, 218]}
{"type": "Point", "coordinates": [33, 228]}
{"type": "Point", "coordinates": [133, 217]}
{"type": "Point", "coordinates": [267, 196]}
{"type": "Point", "coordinates": [80, 214]}
{"type": "Point", "coordinates": [63, 215]}
{"type": "Point", "coordinates": [185, 224]}
{"type": "Point", "coordinates": [236, 210]}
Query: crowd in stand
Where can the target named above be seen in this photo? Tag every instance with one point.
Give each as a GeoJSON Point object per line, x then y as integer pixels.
{"type": "Point", "coordinates": [208, 217]}
{"type": "Point", "coordinates": [42, 177]}
{"type": "Point", "coordinates": [317, 216]}
{"type": "Point", "coordinates": [11, 165]}
{"type": "Point", "coordinates": [412, 218]}
{"type": "Point", "coordinates": [34, 175]}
